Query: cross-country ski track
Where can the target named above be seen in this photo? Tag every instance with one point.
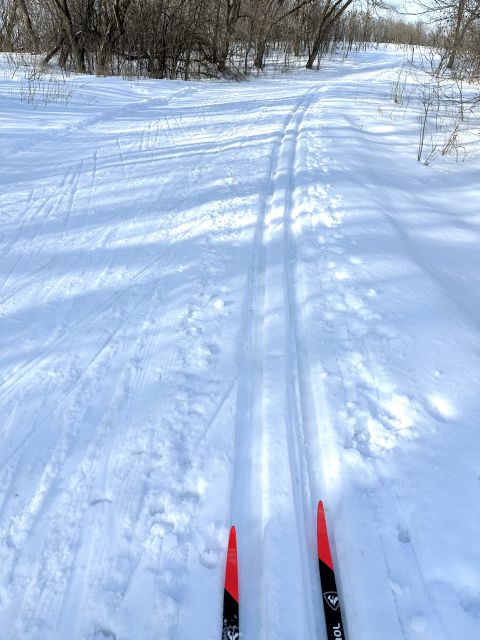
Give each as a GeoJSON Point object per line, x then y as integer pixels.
{"type": "Point", "coordinates": [219, 304]}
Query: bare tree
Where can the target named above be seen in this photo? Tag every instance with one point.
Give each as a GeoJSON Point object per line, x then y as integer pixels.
{"type": "Point", "coordinates": [267, 15]}
{"type": "Point", "coordinates": [330, 14]}
{"type": "Point", "coordinates": [181, 38]}
{"type": "Point", "coordinates": [456, 19]}
{"type": "Point", "coordinates": [16, 14]}
{"type": "Point", "coordinates": [112, 23]}
{"type": "Point", "coordinates": [61, 9]}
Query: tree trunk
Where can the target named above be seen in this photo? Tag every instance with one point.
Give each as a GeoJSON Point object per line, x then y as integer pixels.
{"type": "Point", "coordinates": [457, 35]}
{"type": "Point", "coordinates": [321, 33]}
{"type": "Point", "coordinates": [9, 26]}
{"type": "Point", "coordinates": [76, 50]}
{"type": "Point", "coordinates": [28, 25]}
{"type": "Point", "coordinates": [331, 14]}
{"type": "Point", "coordinates": [261, 47]}
{"type": "Point", "coordinates": [233, 13]}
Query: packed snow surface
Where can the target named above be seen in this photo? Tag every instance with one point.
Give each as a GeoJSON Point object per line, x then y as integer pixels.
{"type": "Point", "coordinates": [219, 304]}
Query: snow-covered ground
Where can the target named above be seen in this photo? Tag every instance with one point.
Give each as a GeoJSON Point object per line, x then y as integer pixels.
{"type": "Point", "coordinates": [218, 304]}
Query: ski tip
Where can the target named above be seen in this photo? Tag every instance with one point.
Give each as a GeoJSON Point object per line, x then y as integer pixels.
{"type": "Point", "coordinates": [231, 572]}
{"type": "Point", "coordinates": [323, 544]}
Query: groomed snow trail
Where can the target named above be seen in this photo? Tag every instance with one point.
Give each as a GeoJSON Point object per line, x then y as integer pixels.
{"type": "Point", "coordinates": [271, 495]}
{"type": "Point", "coordinates": [218, 304]}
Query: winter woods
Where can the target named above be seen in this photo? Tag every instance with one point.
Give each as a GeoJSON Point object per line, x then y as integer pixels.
{"type": "Point", "coordinates": [181, 38]}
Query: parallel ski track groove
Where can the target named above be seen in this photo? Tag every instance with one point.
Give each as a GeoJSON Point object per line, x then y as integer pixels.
{"type": "Point", "coordinates": [301, 423]}
{"type": "Point", "coordinates": [248, 422]}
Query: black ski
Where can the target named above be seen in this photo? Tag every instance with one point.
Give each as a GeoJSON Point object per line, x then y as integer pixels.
{"type": "Point", "coordinates": [331, 602]}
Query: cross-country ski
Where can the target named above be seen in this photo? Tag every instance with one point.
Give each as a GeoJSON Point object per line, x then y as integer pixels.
{"type": "Point", "coordinates": [231, 620]}
{"type": "Point", "coordinates": [239, 273]}
{"type": "Point", "coordinates": [331, 601]}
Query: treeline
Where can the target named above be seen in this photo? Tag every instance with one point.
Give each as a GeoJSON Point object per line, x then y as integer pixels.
{"type": "Point", "coordinates": [455, 25]}
{"type": "Point", "coordinates": [185, 38]}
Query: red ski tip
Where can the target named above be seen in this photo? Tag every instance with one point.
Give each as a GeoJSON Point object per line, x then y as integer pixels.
{"type": "Point", "coordinates": [323, 544]}
{"type": "Point", "coordinates": [231, 572]}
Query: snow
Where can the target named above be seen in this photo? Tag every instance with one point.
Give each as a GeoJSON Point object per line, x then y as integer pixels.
{"type": "Point", "coordinates": [219, 304]}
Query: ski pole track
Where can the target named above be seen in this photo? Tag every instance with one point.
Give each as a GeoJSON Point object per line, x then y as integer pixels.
{"type": "Point", "coordinates": [114, 217]}
{"type": "Point", "coordinates": [133, 279]}
{"type": "Point", "coordinates": [94, 449]}
{"type": "Point", "coordinates": [65, 192]}
{"type": "Point", "coordinates": [410, 570]}
{"type": "Point", "coordinates": [124, 391]}
{"type": "Point", "coordinates": [68, 187]}
{"type": "Point", "coordinates": [28, 527]}
{"type": "Point", "coordinates": [86, 371]}
{"type": "Point", "coordinates": [66, 336]}
{"type": "Point", "coordinates": [87, 238]}
{"type": "Point", "coordinates": [319, 273]}
{"type": "Point", "coordinates": [100, 310]}
{"type": "Point", "coordinates": [77, 327]}
{"type": "Point", "coordinates": [68, 191]}
{"type": "Point", "coordinates": [35, 607]}
{"type": "Point", "coordinates": [106, 116]}
{"type": "Point", "coordinates": [59, 399]}
{"type": "Point", "coordinates": [404, 577]}
{"type": "Point", "coordinates": [240, 325]}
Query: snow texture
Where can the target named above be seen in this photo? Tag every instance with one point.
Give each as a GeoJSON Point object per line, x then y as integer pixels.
{"type": "Point", "coordinates": [220, 303]}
